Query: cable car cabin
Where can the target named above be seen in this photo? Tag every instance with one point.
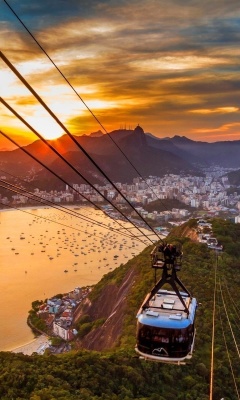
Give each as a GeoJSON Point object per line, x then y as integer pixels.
{"type": "Point", "coordinates": [165, 331]}
{"type": "Point", "coordinates": [165, 327]}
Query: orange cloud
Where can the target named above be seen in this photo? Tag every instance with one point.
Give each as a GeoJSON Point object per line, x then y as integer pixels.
{"type": "Point", "coordinates": [218, 110]}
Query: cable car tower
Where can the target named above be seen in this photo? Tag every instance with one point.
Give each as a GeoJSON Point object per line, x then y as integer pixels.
{"type": "Point", "coordinates": [165, 327]}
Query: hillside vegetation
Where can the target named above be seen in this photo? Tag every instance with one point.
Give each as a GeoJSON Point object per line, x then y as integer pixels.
{"type": "Point", "coordinates": [116, 372]}
{"type": "Point", "coordinates": [166, 204]}
{"type": "Point", "coordinates": [234, 177]}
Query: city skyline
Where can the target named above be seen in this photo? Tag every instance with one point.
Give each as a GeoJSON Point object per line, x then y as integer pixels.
{"type": "Point", "coordinates": [172, 69]}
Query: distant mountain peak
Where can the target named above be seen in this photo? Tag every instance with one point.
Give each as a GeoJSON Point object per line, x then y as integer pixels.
{"type": "Point", "coordinates": [139, 129]}
{"type": "Point", "coordinates": [181, 139]}
{"type": "Point", "coordinates": [95, 134]}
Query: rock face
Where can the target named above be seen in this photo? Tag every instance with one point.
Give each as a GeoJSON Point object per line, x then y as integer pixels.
{"type": "Point", "coordinates": [190, 233]}
{"type": "Point", "coordinates": [111, 306]}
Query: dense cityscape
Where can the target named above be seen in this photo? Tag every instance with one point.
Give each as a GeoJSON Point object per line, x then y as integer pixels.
{"type": "Point", "coordinates": [209, 193]}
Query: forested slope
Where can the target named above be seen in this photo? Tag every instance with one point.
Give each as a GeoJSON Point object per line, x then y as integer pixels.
{"type": "Point", "coordinates": [117, 373]}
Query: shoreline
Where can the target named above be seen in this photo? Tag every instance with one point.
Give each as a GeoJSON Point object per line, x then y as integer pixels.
{"type": "Point", "coordinates": [34, 344]}
{"type": "Point", "coordinates": [46, 206]}
{"type": "Point", "coordinates": [37, 345]}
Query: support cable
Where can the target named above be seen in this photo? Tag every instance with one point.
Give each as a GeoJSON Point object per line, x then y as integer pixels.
{"type": "Point", "coordinates": [77, 214]}
{"type": "Point", "coordinates": [61, 179]}
{"type": "Point", "coordinates": [69, 164]}
{"type": "Point", "coordinates": [234, 305]}
{"type": "Point", "coordinates": [75, 170]}
{"type": "Point", "coordinates": [227, 351]}
{"type": "Point", "coordinates": [47, 219]}
{"type": "Point", "coordinates": [229, 322]}
{"type": "Point", "coordinates": [32, 196]}
{"type": "Point", "coordinates": [59, 223]}
{"type": "Point", "coordinates": [80, 98]}
{"type": "Point", "coordinates": [54, 205]}
{"type": "Point", "coordinates": [14, 70]}
{"type": "Point", "coordinates": [213, 329]}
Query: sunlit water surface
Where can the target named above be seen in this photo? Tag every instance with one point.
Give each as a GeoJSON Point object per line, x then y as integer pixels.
{"type": "Point", "coordinates": [37, 246]}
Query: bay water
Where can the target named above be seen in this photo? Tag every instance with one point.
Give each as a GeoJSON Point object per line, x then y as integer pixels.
{"type": "Point", "coordinates": [44, 252]}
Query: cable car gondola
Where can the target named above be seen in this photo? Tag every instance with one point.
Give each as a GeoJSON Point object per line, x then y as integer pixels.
{"type": "Point", "coordinates": [165, 327]}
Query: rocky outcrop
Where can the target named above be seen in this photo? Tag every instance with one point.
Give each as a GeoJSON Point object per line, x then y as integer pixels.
{"type": "Point", "coordinates": [111, 306]}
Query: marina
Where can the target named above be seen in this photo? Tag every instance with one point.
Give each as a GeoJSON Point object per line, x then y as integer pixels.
{"type": "Point", "coordinates": [58, 253]}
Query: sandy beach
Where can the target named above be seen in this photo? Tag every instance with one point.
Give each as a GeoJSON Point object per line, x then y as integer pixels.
{"type": "Point", "coordinates": [38, 345]}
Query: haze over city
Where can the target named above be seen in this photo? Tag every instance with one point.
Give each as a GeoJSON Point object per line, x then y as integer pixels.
{"type": "Point", "coordinates": [173, 69]}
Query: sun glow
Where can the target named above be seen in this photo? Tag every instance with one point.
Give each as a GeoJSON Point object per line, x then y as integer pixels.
{"type": "Point", "coordinates": [46, 127]}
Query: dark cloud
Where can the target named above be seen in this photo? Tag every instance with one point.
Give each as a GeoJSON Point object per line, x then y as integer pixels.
{"type": "Point", "coordinates": [45, 13]}
{"type": "Point", "coordinates": [160, 61]}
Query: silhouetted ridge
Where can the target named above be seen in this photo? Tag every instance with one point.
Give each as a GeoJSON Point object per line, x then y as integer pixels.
{"type": "Point", "coordinates": [181, 139]}
{"type": "Point", "coordinates": [149, 154]}
{"type": "Point", "coordinates": [139, 129]}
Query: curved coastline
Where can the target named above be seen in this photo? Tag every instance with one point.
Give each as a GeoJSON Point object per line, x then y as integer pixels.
{"type": "Point", "coordinates": [32, 274]}
{"type": "Point", "coordinates": [37, 345]}
{"type": "Point", "coordinates": [37, 207]}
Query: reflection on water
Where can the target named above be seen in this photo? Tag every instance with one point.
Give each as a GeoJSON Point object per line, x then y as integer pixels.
{"type": "Point", "coordinates": [40, 258]}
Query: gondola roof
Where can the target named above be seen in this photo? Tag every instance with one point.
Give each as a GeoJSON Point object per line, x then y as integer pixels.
{"type": "Point", "coordinates": [166, 311]}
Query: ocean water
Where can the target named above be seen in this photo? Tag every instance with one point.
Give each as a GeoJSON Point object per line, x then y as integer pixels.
{"type": "Point", "coordinates": [44, 252]}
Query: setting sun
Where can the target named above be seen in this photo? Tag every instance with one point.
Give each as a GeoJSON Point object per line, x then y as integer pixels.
{"type": "Point", "coordinates": [46, 127]}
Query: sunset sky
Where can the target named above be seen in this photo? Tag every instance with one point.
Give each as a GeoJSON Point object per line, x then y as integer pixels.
{"type": "Point", "coordinates": [172, 66]}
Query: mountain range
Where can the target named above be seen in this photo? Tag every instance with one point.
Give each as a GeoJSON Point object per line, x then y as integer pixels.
{"type": "Point", "coordinates": [122, 154]}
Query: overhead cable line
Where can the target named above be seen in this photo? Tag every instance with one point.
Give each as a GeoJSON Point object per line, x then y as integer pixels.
{"type": "Point", "coordinates": [226, 347]}
{"type": "Point", "coordinates": [234, 305]}
{"type": "Point", "coordinates": [213, 329]}
{"type": "Point", "coordinates": [233, 318]}
{"type": "Point", "coordinates": [59, 223]}
{"type": "Point", "coordinates": [23, 80]}
{"type": "Point", "coordinates": [59, 207]}
{"type": "Point", "coordinates": [62, 179]}
{"type": "Point", "coordinates": [47, 219]}
{"type": "Point", "coordinates": [80, 98]}
{"type": "Point", "coordinates": [229, 322]}
{"type": "Point", "coordinates": [66, 161]}
{"type": "Point", "coordinates": [70, 165]}
{"type": "Point", "coordinates": [68, 210]}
